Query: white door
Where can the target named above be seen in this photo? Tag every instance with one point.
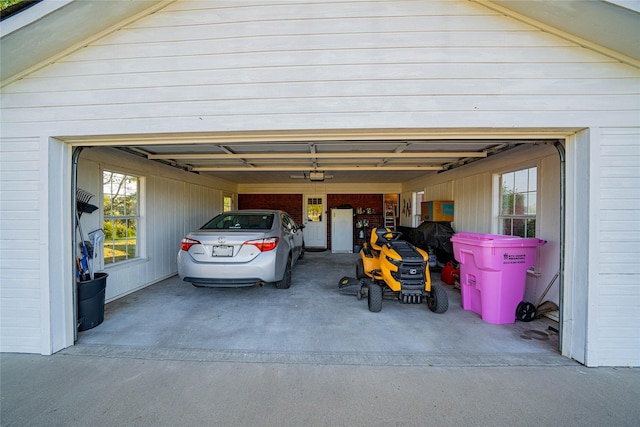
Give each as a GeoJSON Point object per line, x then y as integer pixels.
{"type": "Point", "coordinates": [342, 230]}
{"type": "Point", "coordinates": [315, 231]}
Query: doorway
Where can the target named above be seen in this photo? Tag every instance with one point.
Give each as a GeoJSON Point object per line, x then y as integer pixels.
{"type": "Point", "coordinates": [315, 232]}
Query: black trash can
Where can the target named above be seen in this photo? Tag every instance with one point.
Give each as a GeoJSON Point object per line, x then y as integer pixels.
{"type": "Point", "coordinates": [91, 301]}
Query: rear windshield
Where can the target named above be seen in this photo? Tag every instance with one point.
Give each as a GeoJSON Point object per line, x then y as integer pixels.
{"type": "Point", "coordinates": [240, 222]}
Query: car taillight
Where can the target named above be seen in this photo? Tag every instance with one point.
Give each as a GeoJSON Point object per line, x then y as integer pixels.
{"type": "Point", "coordinates": [264, 245]}
{"type": "Point", "coordinates": [187, 243]}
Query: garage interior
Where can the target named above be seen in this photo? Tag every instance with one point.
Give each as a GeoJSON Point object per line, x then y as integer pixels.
{"type": "Point", "coordinates": [312, 322]}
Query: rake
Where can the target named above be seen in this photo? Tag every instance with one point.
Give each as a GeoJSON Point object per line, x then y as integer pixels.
{"type": "Point", "coordinates": [82, 201]}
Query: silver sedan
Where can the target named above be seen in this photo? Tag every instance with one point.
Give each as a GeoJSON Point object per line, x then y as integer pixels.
{"type": "Point", "coordinates": [242, 248]}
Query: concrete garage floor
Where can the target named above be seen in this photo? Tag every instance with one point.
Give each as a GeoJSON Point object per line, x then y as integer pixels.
{"type": "Point", "coordinates": [312, 322]}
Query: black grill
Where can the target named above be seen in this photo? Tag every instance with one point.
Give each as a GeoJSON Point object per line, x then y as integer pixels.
{"type": "Point", "coordinates": [411, 275]}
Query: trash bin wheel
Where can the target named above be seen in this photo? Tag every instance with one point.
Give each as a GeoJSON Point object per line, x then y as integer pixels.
{"type": "Point", "coordinates": [525, 312]}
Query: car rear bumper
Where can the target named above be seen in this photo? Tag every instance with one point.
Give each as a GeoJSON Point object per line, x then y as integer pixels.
{"type": "Point", "coordinates": [223, 283]}
{"type": "Point", "coordinates": [260, 270]}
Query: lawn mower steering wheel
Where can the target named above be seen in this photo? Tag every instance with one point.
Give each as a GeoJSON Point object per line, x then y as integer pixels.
{"type": "Point", "coordinates": [395, 235]}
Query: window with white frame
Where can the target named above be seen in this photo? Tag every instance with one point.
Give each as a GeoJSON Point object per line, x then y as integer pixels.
{"type": "Point", "coordinates": [121, 204]}
{"type": "Point", "coordinates": [418, 198]}
{"type": "Point", "coordinates": [227, 203]}
{"type": "Point", "coordinates": [518, 199]}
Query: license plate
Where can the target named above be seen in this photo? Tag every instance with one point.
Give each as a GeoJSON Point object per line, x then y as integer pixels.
{"type": "Point", "coordinates": [222, 251]}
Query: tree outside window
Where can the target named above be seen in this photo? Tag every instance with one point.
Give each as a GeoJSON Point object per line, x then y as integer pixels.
{"type": "Point", "coordinates": [121, 206]}
{"type": "Point", "coordinates": [518, 195]}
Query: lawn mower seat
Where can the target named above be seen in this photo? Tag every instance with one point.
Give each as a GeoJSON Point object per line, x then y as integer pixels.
{"type": "Point", "coordinates": [378, 238]}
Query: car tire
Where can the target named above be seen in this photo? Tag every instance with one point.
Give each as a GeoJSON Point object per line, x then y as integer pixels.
{"type": "Point", "coordinates": [302, 252]}
{"type": "Point", "coordinates": [285, 283]}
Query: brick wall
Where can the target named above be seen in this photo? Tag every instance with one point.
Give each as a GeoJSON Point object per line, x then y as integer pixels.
{"type": "Point", "coordinates": [293, 204]}
{"type": "Point", "coordinates": [373, 201]}
{"type": "Point", "coordinates": [290, 203]}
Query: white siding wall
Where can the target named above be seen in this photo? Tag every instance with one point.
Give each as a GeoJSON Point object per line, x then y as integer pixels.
{"type": "Point", "coordinates": [242, 65]}
{"type": "Point", "coordinates": [616, 293]}
{"type": "Point", "coordinates": [21, 237]}
{"type": "Point", "coordinates": [174, 202]}
{"type": "Point", "coordinates": [443, 191]}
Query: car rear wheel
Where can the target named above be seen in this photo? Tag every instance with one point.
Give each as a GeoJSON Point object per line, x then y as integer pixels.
{"type": "Point", "coordinates": [285, 283]}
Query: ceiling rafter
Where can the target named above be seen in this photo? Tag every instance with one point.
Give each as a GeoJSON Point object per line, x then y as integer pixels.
{"type": "Point", "coordinates": [232, 153]}
{"type": "Point", "coordinates": [399, 149]}
{"type": "Point", "coordinates": [315, 155]}
{"type": "Point", "coordinates": [324, 168]}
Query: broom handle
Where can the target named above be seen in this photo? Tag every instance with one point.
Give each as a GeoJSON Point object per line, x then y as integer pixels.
{"type": "Point", "coordinates": [547, 290]}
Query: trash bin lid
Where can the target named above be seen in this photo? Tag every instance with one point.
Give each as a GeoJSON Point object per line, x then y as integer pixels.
{"type": "Point", "coordinates": [496, 240]}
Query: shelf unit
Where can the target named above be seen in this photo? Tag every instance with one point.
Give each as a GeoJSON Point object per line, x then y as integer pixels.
{"type": "Point", "coordinates": [374, 220]}
{"type": "Point", "coordinates": [390, 216]}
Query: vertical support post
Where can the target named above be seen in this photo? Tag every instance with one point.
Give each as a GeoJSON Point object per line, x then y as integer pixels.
{"type": "Point", "coordinates": [74, 241]}
{"type": "Point", "coordinates": [561, 153]}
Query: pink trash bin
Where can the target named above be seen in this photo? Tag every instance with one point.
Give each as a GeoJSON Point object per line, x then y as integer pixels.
{"type": "Point", "coordinates": [493, 272]}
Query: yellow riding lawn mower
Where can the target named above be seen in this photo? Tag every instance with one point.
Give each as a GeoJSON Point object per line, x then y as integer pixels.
{"type": "Point", "coordinates": [392, 268]}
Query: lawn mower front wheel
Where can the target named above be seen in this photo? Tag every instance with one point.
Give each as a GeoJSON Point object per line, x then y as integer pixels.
{"type": "Point", "coordinates": [374, 297]}
{"type": "Point", "coordinates": [437, 300]}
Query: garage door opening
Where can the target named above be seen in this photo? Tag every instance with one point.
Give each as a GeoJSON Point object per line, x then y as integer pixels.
{"type": "Point", "coordinates": [180, 196]}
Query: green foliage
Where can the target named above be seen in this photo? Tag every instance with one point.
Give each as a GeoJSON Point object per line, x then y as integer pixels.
{"type": "Point", "coordinates": [512, 203]}
{"type": "Point", "coordinates": [120, 206]}
{"type": "Point", "coordinates": [6, 3]}
{"type": "Point", "coordinates": [120, 229]}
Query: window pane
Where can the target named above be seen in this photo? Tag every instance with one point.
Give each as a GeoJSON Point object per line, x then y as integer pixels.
{"type": "Point", "coordinates": [533, 179]}
{"type": "Point", "coordinates": [519, 207]}
{"type": "Point", "coordinates": [507, 203]}
{"type": "Point", "coordinates": [120, 194]}
{"type": "Point", "coordinates": [120, 240]}
{"type": "Point", "coordinates": [506, 226]}
{"type": "Point", "coordinates": [518, 227]}
{"type": "Point", "coordinates": [530, 208]}
{"type": "Point", "coordinates": [314, 209]}
{"type": "Point", "coordinates": [507, 194]}
{"type": "Point", "coordinates": [131, 204]}
{"type": "Point", "coordinates": [121, 211]}
{"type": "Point", "coordinates": [531, 228]}
{"type": "Point", "coordinates": [521, 181]}
{"type": "Point", "coordinates": [518, 198]}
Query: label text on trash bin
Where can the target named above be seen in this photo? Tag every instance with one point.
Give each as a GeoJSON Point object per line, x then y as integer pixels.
{"type": "Point", "coordinates": [514, 259]}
